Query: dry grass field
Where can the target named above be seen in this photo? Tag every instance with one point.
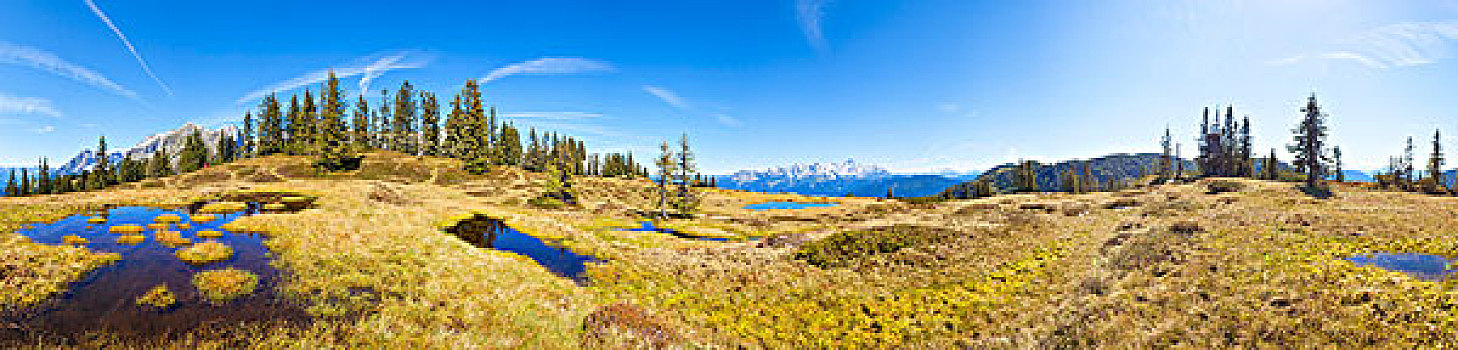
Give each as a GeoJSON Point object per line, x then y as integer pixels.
{"type": "Point", "coordinates": [1172, 266]}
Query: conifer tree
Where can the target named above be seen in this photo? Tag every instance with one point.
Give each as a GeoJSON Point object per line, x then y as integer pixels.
{"type": "Point", "coordinates": [247, 135]}
{"type": "Point", "coordinates": [193, 155]}
{"type": "Point", "coordinates": [160, 164]}
{"type": "Point", "coordinates": [227, 149]}
{"type": "Point", "coordinates": [361, 136]}
{"type": "Point", "coordinates": [43, 181]}
{"type": "Point", "coordinates": [1026, 176]}
{"type": "Point", "coordinates": [11, 188]}
{"type": "Point", "coordinates": [294, 135]}
{"type": "Point", "coordinates": [1246, 151]}
{"type": "Point", "coordinates": [1164, 161]}
{"type": "Point", "coordinates": [309, 118]}
{"type": "Point", "coordinates": [103, 165]}
{"type": "Point", "coordinates": [687, 201]}
{"type": "Point", "coordinates": [271, 129]}
{"type": "Point", "coordinates": [1436, 162]}
{"type": "Point", "coordinates": [384, 134]}
{"type": "Point", "coordinates": [429, 124]}
{"type": "Point", "coordinates": [1309, 142]}
{"type": "Point", "coordinates": [451, 146]}
{"type": "Point", "coordinates": [1203, 160]}
{"type": "Point", "coordinates": [473, 134]}
{"type": "Point", "coordinates": [1407, 163]}
{"type": "Point", "coordinates": [1336, 160]}
{"type": "Point", "coordinates": [405, 118]}
{"type": "Point", "coordinates": [24, 188]}
{"type": "Point", "coordinates": [510, 142]}
{"type": "Point", "coordinates": [333, 138]}
{"type": "Point", "coordinates": [667, 166]}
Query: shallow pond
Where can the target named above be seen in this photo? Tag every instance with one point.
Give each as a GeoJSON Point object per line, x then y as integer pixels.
{"type": "Point", "coordinates": [485, 232]}
{"type": "Point", "coordinates": [105, 301]}
{"type": "Point", "coordinates": [788, 205]}
{"type": "Point", "coordinates": [1421, 266]}
{"type": "Point", "coordinates": [647, 226]}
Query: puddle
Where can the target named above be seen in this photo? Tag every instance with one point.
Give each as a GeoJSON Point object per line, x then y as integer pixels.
{"type": "Point", "coordinates": [485, 232]}
{"type": "Point", "coordinates": [1421, 266]}
{"type": "Point", "coordinates": [105, 301]}
{"type": "Point", "coordinates": [649, 227]}
{"type": "Point", "coordinates": [788, 205]}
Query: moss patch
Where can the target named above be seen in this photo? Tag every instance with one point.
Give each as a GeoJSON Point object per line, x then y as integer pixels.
{"type": "Point", "coordinates": [131, 239]}
{"type": "Point", "coordinates": [158, 297]}
{"type": "Point", "coordinates": [205, 252]}
{"type": "Point", "coordinates": [126, 229]}
{"type": "Point", "coordinates": [221, 286]}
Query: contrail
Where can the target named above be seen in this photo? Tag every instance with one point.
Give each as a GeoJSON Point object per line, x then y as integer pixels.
{"type": "Point", "coordinates": [128, 43]}
{"type": "Point", "coordinates": [367, 68]}
{"type": "Point", "coordinates": [49, 62]}
{"type": "Point", "coordinates": [549, 65]}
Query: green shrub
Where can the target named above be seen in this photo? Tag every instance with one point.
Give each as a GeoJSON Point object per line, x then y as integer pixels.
{"type": "Point", "coordinates": [846, 248]}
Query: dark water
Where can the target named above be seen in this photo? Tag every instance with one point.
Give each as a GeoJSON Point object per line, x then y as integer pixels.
{"type": "Point", "coordinates": [1421, 266]}
{"type": "Point", "coordinates": [106, 300]}
{"type": "Point", "coordinates": [787, 205]}
{"type": "Point", "coordinates": [649, 227]}
{"type": "Point", "coordinates": [485, 232]}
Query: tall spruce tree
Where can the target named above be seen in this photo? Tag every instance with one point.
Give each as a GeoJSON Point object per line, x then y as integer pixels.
{"type": "Point", "coordinates": [454, 130]}
{"type": "Point", "coordinates": [687, 201]}
{"type": "Point", "coordinates": [361, 136]}
{"type": "Point", "coordinates": [247, 135]}
{"type": "Point", "coordinates": [1246, 165]}
{"type": "Point", "coordinates": [429, 124]}
{"type": "Point", "coordinates": [405, 119]}
{"type": "Point", "coordinates": [385, 134]}
{"type": "Point", "coordinates": [472, 135]}
{"type": "Point", "coordinates": [1309, 142]}
{"type": "Point", "coordinates": [194, 154]}
{"type": "Point", "coordinates": [294, 135]}
{"type": "Point", "coordinates": [1407, 163]}
{"type": "Point", "coordinates": [1164, 161]}
{"type": "Point", "coordinates": [43, 178]}
{"type": "Point", "coordinates": [309, 118]}
{"type": "Point", "coordinates": [11, 188]}
{"type": "Point", "coordinates": [510, 142]}
{"type": "Point", "coordinates": [24, 187]}
{"type": "Point", "coordinates": [271, 129]}
{"type": "Point", "coordinates": [160, 165]}
{"type": "Point", "coordinates": [1336, 161]}
{"type": "Point", "coordinates": [667, 165]}
{"type": "Point", "coordinates": [333, 140]}
{"type": "Point", "coordinates": [103, 166]}
{"type": "Point", "coordinates": [1436, 162]}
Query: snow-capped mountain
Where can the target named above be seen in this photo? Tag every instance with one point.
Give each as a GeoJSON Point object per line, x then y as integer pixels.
{"type": "Point", "coordinates": [838, 179]}
{"type": "Point", "coordinates": [170, 141]}
{"type": "Point", "coordinates": [817, 171]}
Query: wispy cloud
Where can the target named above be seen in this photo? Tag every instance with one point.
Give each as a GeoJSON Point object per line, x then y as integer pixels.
{"type": "Point", "coordinates": [1395, 45]}
{"type": "Point", "coordinates": [44, 129]}
{"type": "Point", "coordinates": [46, 61]}
{"type": "Point", "coordinates": [553, 115]}
{"type": "Point", "coordinates": [550, 65]}
{"type": "Point", "coordinates": [102, 15]}
{"type": "Point", "coordinates": [27, 105]}
{"type": "Point", "coordinates": [673, 99]}
{"type": "Point", "coordinates": [810, 13]}
{"type": "Point", "coordinates": [370, 67]}
{"type": "Point", "coordinates": [668, 96]}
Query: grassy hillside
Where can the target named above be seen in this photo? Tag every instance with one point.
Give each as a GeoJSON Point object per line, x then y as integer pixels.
{"type": "Point", "coordinates": [1262, 266]}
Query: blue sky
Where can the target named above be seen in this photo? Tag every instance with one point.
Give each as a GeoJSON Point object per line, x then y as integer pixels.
{"type": "Point", "coordinates": [914, 86]}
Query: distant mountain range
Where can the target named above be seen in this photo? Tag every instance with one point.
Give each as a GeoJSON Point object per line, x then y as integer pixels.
{"type": "Point", "coordinates": [1050, 176]}
{"type": "Point", "coordinates": [839, 179]}
{"type": "Point", "coordinates": [171, 141]}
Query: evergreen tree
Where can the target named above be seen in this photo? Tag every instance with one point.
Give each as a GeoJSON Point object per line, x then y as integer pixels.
{"type": "Point", "coordinates": [160, 164]}
{"type": "Point", "coordinates": [193, 155]}
{"type": "Point", "coordinates": [361, 136]}
{"type": "Point", "coordinates": [451, 146]}
{"type": "Point", "coordinates": [1026, 176]}
{"type": "Point", "coordinates": [271, 129]}
{"type": "Point", "coordinates": [43, 178]}
{"type": "Point", "coordinates": [1309, 142]}
{"type": "Point", "coordinates": [333, 139]}
{"type": "Point", "coordinates": [667, 166]}
{"type": "Point", "coordinates": [1247, 167]}
{"type": "Point", "coordinates": [405, 119]}
{"type": "Point", "coordinates": [429, 124]}
{"type": "Point", "coordinates": [11, 188]}
{"type": "Point", "coordinates": [473, 138]}
{"type": "Point", "coordinates": [309, 130]}
{"type": "Point", "coordinates": [1203, 160]}
{"type": "Point", "coordinates": [510, 142]}
{"type": "Point", "coordinates": [687, 201]}
{"type": "Point", "coordinates": [294, 136]}
{"type": "Point", "coordinates": [1336, 160]}
{"type": "Point", "coordinates": [24, 188]}
{"type": "Point", "coordinates": [384, 134]}
{"type": "Point", "coordinates": [248, 143]}
{"type": "Point", "coordinates": [1436, 162]}
{"type": "Point", "coordinates": [1407, 163]}
{"type": "Point", "coordinates": [227, 149]}
{"type": "Point", "coordinates": [103, 166]}
{"type": "Point", "coordinates": [1164, 161]}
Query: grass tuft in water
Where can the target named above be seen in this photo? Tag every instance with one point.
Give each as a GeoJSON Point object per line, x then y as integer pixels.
{"type": "Point", "coordinates": [167, 218]}
{"type": "Point", "coordinates": [221, 208]}
{"type": "Point", "coordinates": [131, 239]}
{"type": "Point", "coordinates": [159, 297]}
{"type": "Point", "coordinates": [74, 240]}
{"type": "Point", "coordinates": [96, 220]}
{"type": "Point", "coordinates": [172, 238]}
{"type": "Point", "coordinates": [209, 234]}
{"type": "Point", "coordinates": [205, 252]}
{"type": "Point", "coordinates": [126, 229]}
{"type": "Point", "coordinates": [204, 218]}
{"type": "Point", "coordinates": [221, 286]}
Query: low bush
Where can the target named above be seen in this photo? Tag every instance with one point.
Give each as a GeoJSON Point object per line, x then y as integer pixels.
{"type": "Point", "coordinates": [846, 248]}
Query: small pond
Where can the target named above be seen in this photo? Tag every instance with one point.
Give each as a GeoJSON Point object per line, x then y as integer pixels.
{"type": "Point", "coordinates": [485, 232]}
{"type": "Point", "coordinates": [649, 227]}
{"type": "Point", "coordinates": [788, 205]}
{"type": "Point", "coordinates": [1421, 266]}
{"type": "Point", "coordinates": [105, 301]}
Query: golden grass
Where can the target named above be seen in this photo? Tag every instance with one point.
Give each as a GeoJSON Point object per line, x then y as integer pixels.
{"type": "Point", "coordinates": [204, 218]}
{"type": "Point", "coordinates": [131, 239]}
{"type": "Point", "coordinates": [205, 252]}
{"type": "Point", "coordinates": [209, 234]}
{"type": "Point", "coordinates": [172, 238]}
{"type": "Point", "coordinates": [167, 218]}
{"type": "Point", "coordinates": [32, 272]}
{"type": "Point", "coordinates": [70, 239]}
{"type": "Point", "coordinates": [126, 229]}
{"type": "Point", "coordinates": [222, 286]}
{"type": "Point", "coordinates": [275, 206]}
{"type": "Point", "coordinates": [221, 208]}
{"type": "Point", "coordinates": [158, 297]}
{"type": "Point", "coordinates": [184, 226]}
{"type": "Point", "coordinates": [96, 220]}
